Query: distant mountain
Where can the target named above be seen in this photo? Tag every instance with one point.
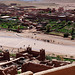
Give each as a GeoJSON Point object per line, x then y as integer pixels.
{"type": "Point", "coordinates": [37, 3]}
{"type": "Point", "coordinates": [21, 2]}
{"type": "Point", "coordinates": [18, 0]}
{"type": "Point", "coordinates": [59, 1]}
{"type": "Point", "coordinates": [51, 1]}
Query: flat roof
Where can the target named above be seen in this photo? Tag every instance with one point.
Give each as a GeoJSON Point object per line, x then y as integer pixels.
{"type": "Point", "coordinates": [5, 16]}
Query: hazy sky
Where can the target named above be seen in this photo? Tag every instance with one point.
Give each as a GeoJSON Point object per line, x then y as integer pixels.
{"type": "Point", "coordinates": [43, 0]}
{"type": "Point", "coordinates": [19, 0]}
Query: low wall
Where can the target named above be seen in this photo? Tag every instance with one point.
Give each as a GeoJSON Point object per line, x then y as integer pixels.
{"type": "Point", "coordinates": [64, 70]}
{"type": "Point", "coordinates": [26, 73]}
{"type": "Point", "coordinates": [12, 70]}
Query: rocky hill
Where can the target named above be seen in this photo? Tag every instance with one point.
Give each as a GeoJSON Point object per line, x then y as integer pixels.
{"type": "Point", "coordinates": [59, 1]}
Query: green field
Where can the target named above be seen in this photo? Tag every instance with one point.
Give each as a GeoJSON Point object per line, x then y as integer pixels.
{"type": "Point", "coordinates": [11, 25]}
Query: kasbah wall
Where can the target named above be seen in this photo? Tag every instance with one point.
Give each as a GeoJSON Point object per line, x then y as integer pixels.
{"type": "Point", "coordinates": [64, 70]}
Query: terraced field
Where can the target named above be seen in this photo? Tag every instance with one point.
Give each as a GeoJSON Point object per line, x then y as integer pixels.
{"type": "Point", "coordinates": [57, 27]}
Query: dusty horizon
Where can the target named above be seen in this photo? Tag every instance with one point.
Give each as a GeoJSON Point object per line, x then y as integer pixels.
{"type": "Point", "coordinates": [49, 1]}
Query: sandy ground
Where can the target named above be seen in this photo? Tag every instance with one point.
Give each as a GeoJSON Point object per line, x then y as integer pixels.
{"type": "Point", "coordinates": [33, 34]}
{"type": "Point", "coordinates": [41, 36]}
{"type": "Point", "coordinates": [14, 41]}
{"type": "Point", "coordinates": [45, 4]}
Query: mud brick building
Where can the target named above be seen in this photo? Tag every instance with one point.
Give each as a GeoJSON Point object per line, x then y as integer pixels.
{"type": "Point", "coordinates": [4, 55]}
{"type": "Point", "coordinates": [29, 54]}
{"type": "Point", "coordinates": [29, 60]}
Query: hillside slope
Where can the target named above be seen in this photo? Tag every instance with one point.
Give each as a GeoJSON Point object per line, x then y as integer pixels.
{"type": "Point", "coordinates": [59, 1]}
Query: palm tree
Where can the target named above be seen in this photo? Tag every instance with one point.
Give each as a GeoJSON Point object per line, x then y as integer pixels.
{"type": "Point", "coordinates": [18, 27]}
{"type": "Point", "coordinates": [48, 28]}
{"type": "Point", "coordinates": [73, 32]}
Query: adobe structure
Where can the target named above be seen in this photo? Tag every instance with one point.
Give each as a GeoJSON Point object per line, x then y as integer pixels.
{"type": "Point", "coordinates": [4, 55]}
{"type": "Point", "coordinates": [30, 54]}
{"type": "Point", "coordinates": [29, 60]}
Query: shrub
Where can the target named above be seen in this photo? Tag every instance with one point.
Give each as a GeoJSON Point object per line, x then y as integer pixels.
{"type": "Point", "coordinates": [66, 35]}
{"type": "Point", "coordinates": [13, 55]}
{"type": "Point", "coordinates": [0, 50]}
{"type": "Point", "coordinates": [49, 58]}
{"type": "Point", "coordinates": [58, 57]}
{"type": "Point", "coordinates": [19, 72]}
{"type": "Point", "coordinates": [71, 61]}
